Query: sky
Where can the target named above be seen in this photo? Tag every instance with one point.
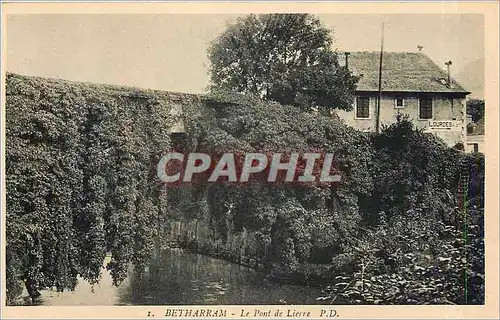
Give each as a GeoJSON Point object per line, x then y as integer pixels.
{"type": "Point", "coordinates": [169, 51]}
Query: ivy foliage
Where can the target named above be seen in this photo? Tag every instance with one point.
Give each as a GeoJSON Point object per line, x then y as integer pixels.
{"type": "Point", "coordinates": [423, 239]}
{"type": "Point", "coordinates": [81, 180]}
{"type": "Point", "coordinates": [302, 223]}
{"type": "Point", "coordinates": [396, 230]}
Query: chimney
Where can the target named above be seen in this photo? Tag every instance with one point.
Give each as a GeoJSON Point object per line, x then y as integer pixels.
{"type": "Point", "coordinates": [448, 64]}
{"type": "Point", "coordinates": [347, 60]}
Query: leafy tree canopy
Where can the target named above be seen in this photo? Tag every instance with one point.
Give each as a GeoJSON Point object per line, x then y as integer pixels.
{"type": "Point", "coordinates": [281, 57]}
{"type": "Point", "coordinates": [475, 108]}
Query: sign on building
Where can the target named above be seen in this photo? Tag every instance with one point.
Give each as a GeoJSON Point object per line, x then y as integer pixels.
{"type": "Point", "coordinates": [444, 124]}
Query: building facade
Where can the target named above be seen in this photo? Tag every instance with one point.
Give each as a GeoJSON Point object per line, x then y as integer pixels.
{"type": "Point", "coordinates": [412, 84]}
{"type": "Point", "coordinates": [475, 137]}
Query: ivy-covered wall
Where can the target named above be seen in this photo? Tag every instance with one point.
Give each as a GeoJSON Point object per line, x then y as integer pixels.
{"type": "Point", "coordinates": [81, 178]}
{"type": "Point", "coordinates": [81, 163]}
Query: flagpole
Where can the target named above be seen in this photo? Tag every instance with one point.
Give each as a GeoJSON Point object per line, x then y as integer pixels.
{"type": "Point", "coordinates": [380, 80]}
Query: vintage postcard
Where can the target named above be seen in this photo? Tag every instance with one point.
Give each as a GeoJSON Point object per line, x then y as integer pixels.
{"type": "Point", "coordinates": [250, 160]}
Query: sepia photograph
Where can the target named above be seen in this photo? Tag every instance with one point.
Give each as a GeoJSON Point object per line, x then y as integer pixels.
{"type": "Point", "coordinates": [199, 161]}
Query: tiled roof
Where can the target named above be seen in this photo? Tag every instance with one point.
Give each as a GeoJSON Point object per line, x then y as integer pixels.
{"type": "Point", "coordinates": [401, 71]}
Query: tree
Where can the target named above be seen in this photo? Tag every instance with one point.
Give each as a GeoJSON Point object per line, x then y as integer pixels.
{"type": "Point", "coordinates": [475, 108]}
{"type": "Point", "coordinates": [281, 57]}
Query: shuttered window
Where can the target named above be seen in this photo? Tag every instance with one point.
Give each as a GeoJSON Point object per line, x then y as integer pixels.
{"type": "Point", "coordinates": [425, 111]}
{"type": "Point", "coordinates": [363, 107]}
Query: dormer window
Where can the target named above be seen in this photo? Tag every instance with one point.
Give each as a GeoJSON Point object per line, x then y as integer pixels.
{"type": "Point", "coordinates": [443, 81]}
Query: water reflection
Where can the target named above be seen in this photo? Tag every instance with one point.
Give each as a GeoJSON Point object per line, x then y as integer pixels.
{"type": "Point", "coordinates": [179, 277]}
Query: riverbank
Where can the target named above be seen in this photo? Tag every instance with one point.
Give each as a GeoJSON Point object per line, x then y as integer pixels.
{"type": "Point", "coordinates": [302, 273]}
{"type": "Point", "coordinates": [100, 294]}
{"type": "Point", "coordinates": [178, 277]}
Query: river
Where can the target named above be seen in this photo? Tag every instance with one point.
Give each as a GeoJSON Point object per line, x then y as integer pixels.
{"type": "Point", "coordinates": [182, 278]}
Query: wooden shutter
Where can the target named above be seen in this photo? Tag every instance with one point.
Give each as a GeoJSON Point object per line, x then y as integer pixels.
{"type": "Point", "coordinates": [425, 111]}
{"type": "Point", "coordinates": [363, 107]}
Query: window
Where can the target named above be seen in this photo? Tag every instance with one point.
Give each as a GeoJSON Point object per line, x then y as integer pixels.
{"type": "Point", "coordinates": [476, 147]}
{"type": "Point", "coordinates": [400, 103]}
{"type": "Point", "coordinates": [470, 128]}
{"type": "Point", "coordinates": [363, 107]}
{"type": "Point", "coordinates": [425, 111]}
